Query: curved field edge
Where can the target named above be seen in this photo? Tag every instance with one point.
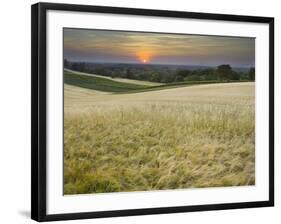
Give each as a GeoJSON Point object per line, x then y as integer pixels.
{"type": "Point", "coordinates": [156, 144]}
{"type": "Point", "coordinates": [106, 84]}
{"type": "Point", "coordinates": [124, 80]}
{"type": "Point", "coordinates": [98, 83]}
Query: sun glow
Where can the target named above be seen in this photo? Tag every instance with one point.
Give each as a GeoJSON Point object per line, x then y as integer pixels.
{"type": "Point", "coordinates": [144, 57]}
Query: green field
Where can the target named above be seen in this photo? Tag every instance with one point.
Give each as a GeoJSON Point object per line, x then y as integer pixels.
{"type": "Point", "coordinates": [98, 83]}
{"type": "Point", "coordinates": [107, 84]}
{"type": "Point", "coordinates": [185, 137]}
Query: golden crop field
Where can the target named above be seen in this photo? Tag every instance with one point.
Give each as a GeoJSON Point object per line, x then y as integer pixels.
{"type": "Point", "coordinates": [185, 137]}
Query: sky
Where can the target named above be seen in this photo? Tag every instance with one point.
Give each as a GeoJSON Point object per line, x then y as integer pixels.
{"type": "Point", "coordinates": [88, 45]}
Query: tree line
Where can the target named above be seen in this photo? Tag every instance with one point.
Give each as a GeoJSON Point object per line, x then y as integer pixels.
{"type": "Point", "coordinates": [162, 73]}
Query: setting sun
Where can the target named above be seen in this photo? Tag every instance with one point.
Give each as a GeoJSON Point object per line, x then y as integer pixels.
{"type": "Point", "coordinates": [144, 57]}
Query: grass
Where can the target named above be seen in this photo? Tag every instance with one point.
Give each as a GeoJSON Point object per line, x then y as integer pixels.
{"type": "Point", "coordinates": [98, 83]}
{"type": "Point", "coordinates": [124, 80]}
{"type": "Point", "coordinates": [107, 84]}
{"type": "Point", "coordinates": [189, 137]}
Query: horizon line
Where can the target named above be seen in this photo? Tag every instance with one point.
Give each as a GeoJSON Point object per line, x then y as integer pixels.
{"type": "Point", "coordinates": [169, 64]}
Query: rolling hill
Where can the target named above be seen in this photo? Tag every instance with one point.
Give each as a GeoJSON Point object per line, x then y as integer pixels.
{"type": "Point", "coordinates": [118, 85]}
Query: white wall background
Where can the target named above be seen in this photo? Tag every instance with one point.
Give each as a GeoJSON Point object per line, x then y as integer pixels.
{"type": "Point", "coordinates": [15, 110]}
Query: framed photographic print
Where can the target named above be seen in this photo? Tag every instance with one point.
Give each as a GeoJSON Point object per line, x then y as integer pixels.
{"type": "Point", "coordinates": [139, 111]}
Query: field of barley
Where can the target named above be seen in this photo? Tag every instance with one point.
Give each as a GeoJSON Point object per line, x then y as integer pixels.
{"type": "Point", "coordinates": [185, 137]}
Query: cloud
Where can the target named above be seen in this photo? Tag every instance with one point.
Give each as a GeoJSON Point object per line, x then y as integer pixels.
{"type": "Point", "coordinates": [97, 45]}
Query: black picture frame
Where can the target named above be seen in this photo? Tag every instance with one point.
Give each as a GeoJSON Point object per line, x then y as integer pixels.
{"type": "Point", "coordinates": [38, 108]}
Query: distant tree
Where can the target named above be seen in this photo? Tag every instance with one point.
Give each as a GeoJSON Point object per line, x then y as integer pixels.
{"type": "Point", "coordinates": [142, 76]}
{"type": "Point", "coordinates": [168, 78]}
{"type": "Point", "coordinates": [155, 77]}
{"type": "Point", "coordinates": [78, 66]}
{"type": "Point", "coordinates": [210, 74]}
{"type": "Point", "coordinates": [179, 78]}
{"type": "Point", "coordinates": [224, 72]}
{"type": "Point", "coordinates": [114, 75]}
{"type": "Point", "coordinates": [66, 63]}
{"type": "Point", "coordinates": [193, 78]}
{"type": "Point", "coordinates": [244, 75]}
{"type": "Point", "coordinates": [129, 74]}
{"type": "Point", "coordinates": [235, 76]}
{"type": "Point", "coordinates": [183, 73]}
{"type": "Point", "coordinates": [252, 74]}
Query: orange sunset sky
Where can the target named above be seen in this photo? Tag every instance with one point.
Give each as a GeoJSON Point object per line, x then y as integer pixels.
{"type": "Point", "coordinates": [157, 48]}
